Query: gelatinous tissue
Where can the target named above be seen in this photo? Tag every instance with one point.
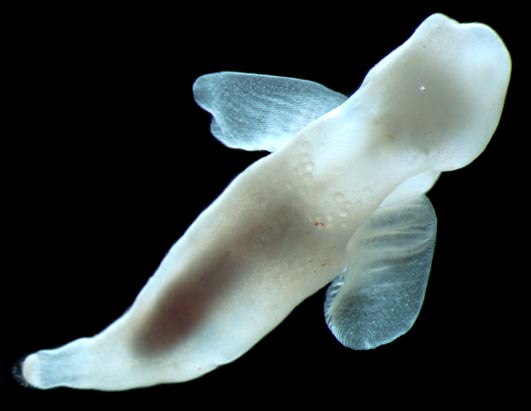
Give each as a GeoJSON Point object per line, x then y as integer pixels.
{"type": "Point", "coordinates": [340, 199]}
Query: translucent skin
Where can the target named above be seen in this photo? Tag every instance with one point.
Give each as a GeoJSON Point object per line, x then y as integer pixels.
{"type": "Point", "coordinates": [283, 228]}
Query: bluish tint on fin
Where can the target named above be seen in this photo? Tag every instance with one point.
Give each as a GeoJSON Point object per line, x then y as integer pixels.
{"type": "Point", "coordinates": [260, 112]}
{"type": "Point", "coordinates": [379, 295]}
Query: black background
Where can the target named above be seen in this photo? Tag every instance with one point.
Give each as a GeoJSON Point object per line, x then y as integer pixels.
{"type": "Point", "coordinates": [106, 160]}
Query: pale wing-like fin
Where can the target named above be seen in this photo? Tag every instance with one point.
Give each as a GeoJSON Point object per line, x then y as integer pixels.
{"type": "Point", "coordinates": [260, 112]}
{"type": "Point", "coordinates": [379, 295]}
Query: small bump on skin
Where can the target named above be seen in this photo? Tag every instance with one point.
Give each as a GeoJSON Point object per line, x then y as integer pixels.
{"type": "Point", "coordinates": [304, 148]}
{"type": "Point", "coordinates": [308, 167]}
{"type": "Point", "coordinates": [339, 197]}
{"type": "Point", "coordinates": [319, 222]}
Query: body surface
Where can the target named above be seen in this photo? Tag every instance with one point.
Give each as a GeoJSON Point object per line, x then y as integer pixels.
{"type": "Point", "coordinates": [340, 199]}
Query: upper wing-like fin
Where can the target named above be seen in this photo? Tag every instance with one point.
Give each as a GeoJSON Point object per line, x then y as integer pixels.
{"type": "Point", "coordinates": [379, 295]}
{"type": "Point", "coordinates": [260, 112]}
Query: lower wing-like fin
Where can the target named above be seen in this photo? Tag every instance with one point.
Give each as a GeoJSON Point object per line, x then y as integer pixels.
{"type": "Point", "coordinates": [379, 295]}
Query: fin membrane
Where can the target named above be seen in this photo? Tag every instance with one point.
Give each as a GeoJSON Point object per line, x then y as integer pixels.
{"type": "Point", "coordinates": [260, 112]}
{"type": "Point", "coordinates": [379, 295]}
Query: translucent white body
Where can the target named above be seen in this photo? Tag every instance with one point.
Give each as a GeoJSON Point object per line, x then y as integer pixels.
{"type": "Point", "coordinates": [341, 197]}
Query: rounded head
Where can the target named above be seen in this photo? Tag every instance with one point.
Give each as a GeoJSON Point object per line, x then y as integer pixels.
{"type": "Point", "coordinates": [438, 98]}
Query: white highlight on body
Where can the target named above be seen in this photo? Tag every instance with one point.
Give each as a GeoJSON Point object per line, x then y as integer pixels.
{"type": "Point", "coordinates": [340, 199]}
